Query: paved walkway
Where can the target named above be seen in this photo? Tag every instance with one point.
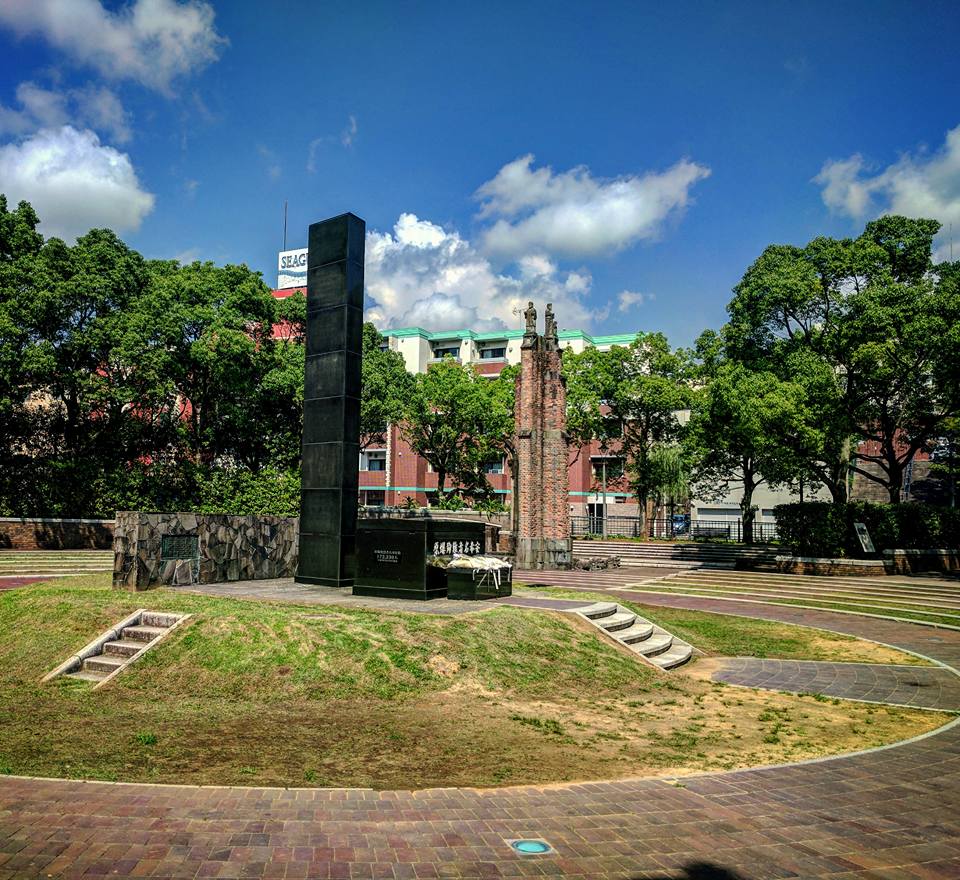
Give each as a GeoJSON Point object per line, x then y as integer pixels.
{"type": "Point", "coordinates": [892, 813]}
{"type": "Point", "coordinates": [287, 590]}
{"type": "Point", "coordinates": [11, 583]}
{"type": "Point", "coordinates": [921, 686]}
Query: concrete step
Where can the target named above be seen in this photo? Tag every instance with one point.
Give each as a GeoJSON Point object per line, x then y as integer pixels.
{"type": "Point", "coordinates": [105, 663]}
{"type": "Point", "coordinates": [652, 642]}
{"type": "Point", "coordinates": [142, 633]}
{"type": "Point", "coordinates": [614, 622]}
{"type": "Point", "coordinates": [641, 629]}
{"type": "Point", "coordinates": [107, 654]}
{"type": "Point", "coordinates": [678, 654]}
{"type": "Point", "coordinates": [86, 675]}
{"type": "Point", "coordinates": [656, 644]}
{"type": "Point", "coordinates": [54, 554]}
{"type": "Point", "coordinates": [598, 610]}
{"type": "Point", "coordinates": [124, 648]}
{"type": "Point", "coordinates": [50, 572]}
{"type": "Point", "coordinates": [159, 619]}
{"type": "Point", "coordinates": [55, 563]}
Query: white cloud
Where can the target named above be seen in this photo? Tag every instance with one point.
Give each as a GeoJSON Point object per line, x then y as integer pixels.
{"type": "Point", "coordinates": [185, 258]}
{"type": "Point", "coordinates": [345, 138]}
{"type": "Point", "coordinates": [573, 213]}
{"type": "Point", "coordinates": [921, 185]}
{"type": "Point", "coordinates": [74, 182]}
{"type": "Point", "coordinates": [627, 299]}
{"type": "Point", "coordinates": [101, 110]}
{"type": "Point", "coordinates": [274, 169]}
{"type": "Point", "coordinates": [90, 107]}
{"type": "Point", "coordinates": [350, 132]}
{"type": "Point", "coordinates": [150, 41]}
{"type": "Point", "coordinates": [421, 274]}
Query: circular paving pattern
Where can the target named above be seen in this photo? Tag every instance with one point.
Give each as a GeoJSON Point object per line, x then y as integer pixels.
{"type": "Point", "coordinates": [894, 812]}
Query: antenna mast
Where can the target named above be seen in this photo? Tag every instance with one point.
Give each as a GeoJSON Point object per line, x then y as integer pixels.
{"type": "Point", "coordinates": [284, 224]}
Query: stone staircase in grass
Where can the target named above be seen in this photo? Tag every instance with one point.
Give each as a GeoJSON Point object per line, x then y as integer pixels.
{"type": "Point", "coordinates": [674, 554]}
{"type": "Point", "coordinates": [650, 641]}
{"type": "Point", "coordinates": [19, 563]}
{"type": "Point", "coordinates": [115, 649]}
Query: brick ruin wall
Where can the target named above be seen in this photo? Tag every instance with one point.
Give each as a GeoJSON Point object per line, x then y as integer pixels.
{"type": "Point", "coordinates": [55, 534]}
{"type": "Point", "coordinates": [543, 529]}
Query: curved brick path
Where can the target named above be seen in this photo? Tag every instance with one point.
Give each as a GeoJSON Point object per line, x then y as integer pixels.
{"type": "Point", "coordinates": [891, 813]}
{"type": "Point", "coordinates": [921, 686]}
{"type": "Point", "coordinates": [10, 583]}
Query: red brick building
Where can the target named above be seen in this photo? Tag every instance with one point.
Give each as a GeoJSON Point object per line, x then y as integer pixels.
{"type": "Point", "coordinates": [392, 473]}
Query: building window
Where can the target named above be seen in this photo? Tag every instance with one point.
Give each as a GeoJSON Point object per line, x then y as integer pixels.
{"type": "Point", "coordinates": [490, 354]}
{"type": "Point", "coordinates": [373, 460]}
{"type": "Point", "coordinates": [370, 498]}
{"type": "Point", "coordinates": [493, 467]}
{"type": "Point", "coordinates": [614, 468]}
{"type": "Point", "coordinates": [441, 352]}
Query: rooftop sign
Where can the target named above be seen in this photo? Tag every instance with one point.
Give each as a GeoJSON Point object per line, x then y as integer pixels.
{"type": "Point", "coordinates": [292, 269]}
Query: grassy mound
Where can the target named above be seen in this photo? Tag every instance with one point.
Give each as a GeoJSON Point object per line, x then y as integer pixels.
{"type": "Point", "coordinates": [269, 693]}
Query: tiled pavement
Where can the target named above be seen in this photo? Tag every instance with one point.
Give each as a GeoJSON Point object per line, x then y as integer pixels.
{"type": "Point", "coordinates": [287, 590]}
{"type": "Point", "coordinates": [922, 686]}
{"type": "Point", "coordinates": [10, 583]}
{"type": "Point", "coordinates": [892, 813]}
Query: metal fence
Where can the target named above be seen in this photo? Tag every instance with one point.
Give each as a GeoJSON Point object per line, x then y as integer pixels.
{"type": "Point", "coordinates": [672, 528]}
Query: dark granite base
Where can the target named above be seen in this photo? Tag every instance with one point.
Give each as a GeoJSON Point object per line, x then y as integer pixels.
{"type": "Point", "coordinates": [323, 582]}
{"type": "Point", "coordinates": [399, 592]}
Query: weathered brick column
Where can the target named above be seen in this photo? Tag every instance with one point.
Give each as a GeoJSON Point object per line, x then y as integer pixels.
{"type": "Point", "coordinates": [543, 527]}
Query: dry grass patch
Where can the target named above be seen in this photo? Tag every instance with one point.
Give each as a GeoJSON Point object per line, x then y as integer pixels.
{"type": "Point", "coordinates": [728, 635]}
{"type": "Point", "coordinates": [263, 693]}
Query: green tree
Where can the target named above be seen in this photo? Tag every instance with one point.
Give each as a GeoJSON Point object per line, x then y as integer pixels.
{"type": "Point", "coordinates": [870, 331]}
{"type": "Point", "coordinates": [386, 387]}
{"type": "Point", "coordinates": [627, 400]}
{"type": "Point", "coordinates": [221, 363]}
{"type": "Point", "coordinates": [733, 436]}
{"type": "Point", "coordinates": [447, 421]}
{"type": "Point", "coordinates": [20, 244]}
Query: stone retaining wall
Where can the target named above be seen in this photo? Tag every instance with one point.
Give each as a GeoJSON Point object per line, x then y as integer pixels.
{"type": "Point", "coordinates": [229, 548]}
{"type": "Point", "coordinates": [893, 562]}
{"type": "Point", "coordinates": [55, 534]}
{"type": "Point", "coordinates": [843, 567]}
{"type": "Point", "coordinates": [910, 561]}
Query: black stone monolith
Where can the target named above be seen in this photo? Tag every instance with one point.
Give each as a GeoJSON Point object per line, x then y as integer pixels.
{"type": "Point", "coordinates": [331, 405]}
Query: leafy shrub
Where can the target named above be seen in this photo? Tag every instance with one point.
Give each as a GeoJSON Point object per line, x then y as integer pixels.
{"type": "Point", "coordinates": [818, 528]}
{"type": "Point", "coordinates": [164, 488]}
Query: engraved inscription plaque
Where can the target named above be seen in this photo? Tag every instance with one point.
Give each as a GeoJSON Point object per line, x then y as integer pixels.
{"type": "Point", "coordinates": [179, 547]}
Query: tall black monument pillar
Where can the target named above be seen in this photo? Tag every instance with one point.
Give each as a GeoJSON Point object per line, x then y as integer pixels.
{"type": "Point", "coordinates": [331, 405]}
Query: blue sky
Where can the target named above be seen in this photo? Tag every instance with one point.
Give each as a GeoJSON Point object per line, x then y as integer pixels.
{"type": "Point", "coordinates": [627, 161]}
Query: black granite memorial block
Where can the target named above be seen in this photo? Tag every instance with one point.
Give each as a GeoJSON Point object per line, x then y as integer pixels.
{"type": "Point", "coordinates": [331, 407]}
{"type": "Point", "coordinates": [392, 555]}
{"type": "Point", "coordinates": [464, 583]}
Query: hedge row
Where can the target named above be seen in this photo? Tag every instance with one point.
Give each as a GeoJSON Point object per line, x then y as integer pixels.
{"type": "Point", "coordinates": [817, 528]}
{"type": "Point", "coordinates": [202, 489]}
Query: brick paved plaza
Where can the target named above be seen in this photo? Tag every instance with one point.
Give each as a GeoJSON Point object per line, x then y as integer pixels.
{"type": "Point", "coordinates": [892, 813]}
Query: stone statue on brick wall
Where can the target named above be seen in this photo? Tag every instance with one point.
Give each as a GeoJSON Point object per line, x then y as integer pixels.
{"type": "Point", "coordinates": [530, 316]}
{"type": "Point", "coordinates": [550, 328]}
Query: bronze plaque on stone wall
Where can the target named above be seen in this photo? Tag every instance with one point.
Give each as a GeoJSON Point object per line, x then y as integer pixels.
{"type": "Point", "coordinates": [179, 547]}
